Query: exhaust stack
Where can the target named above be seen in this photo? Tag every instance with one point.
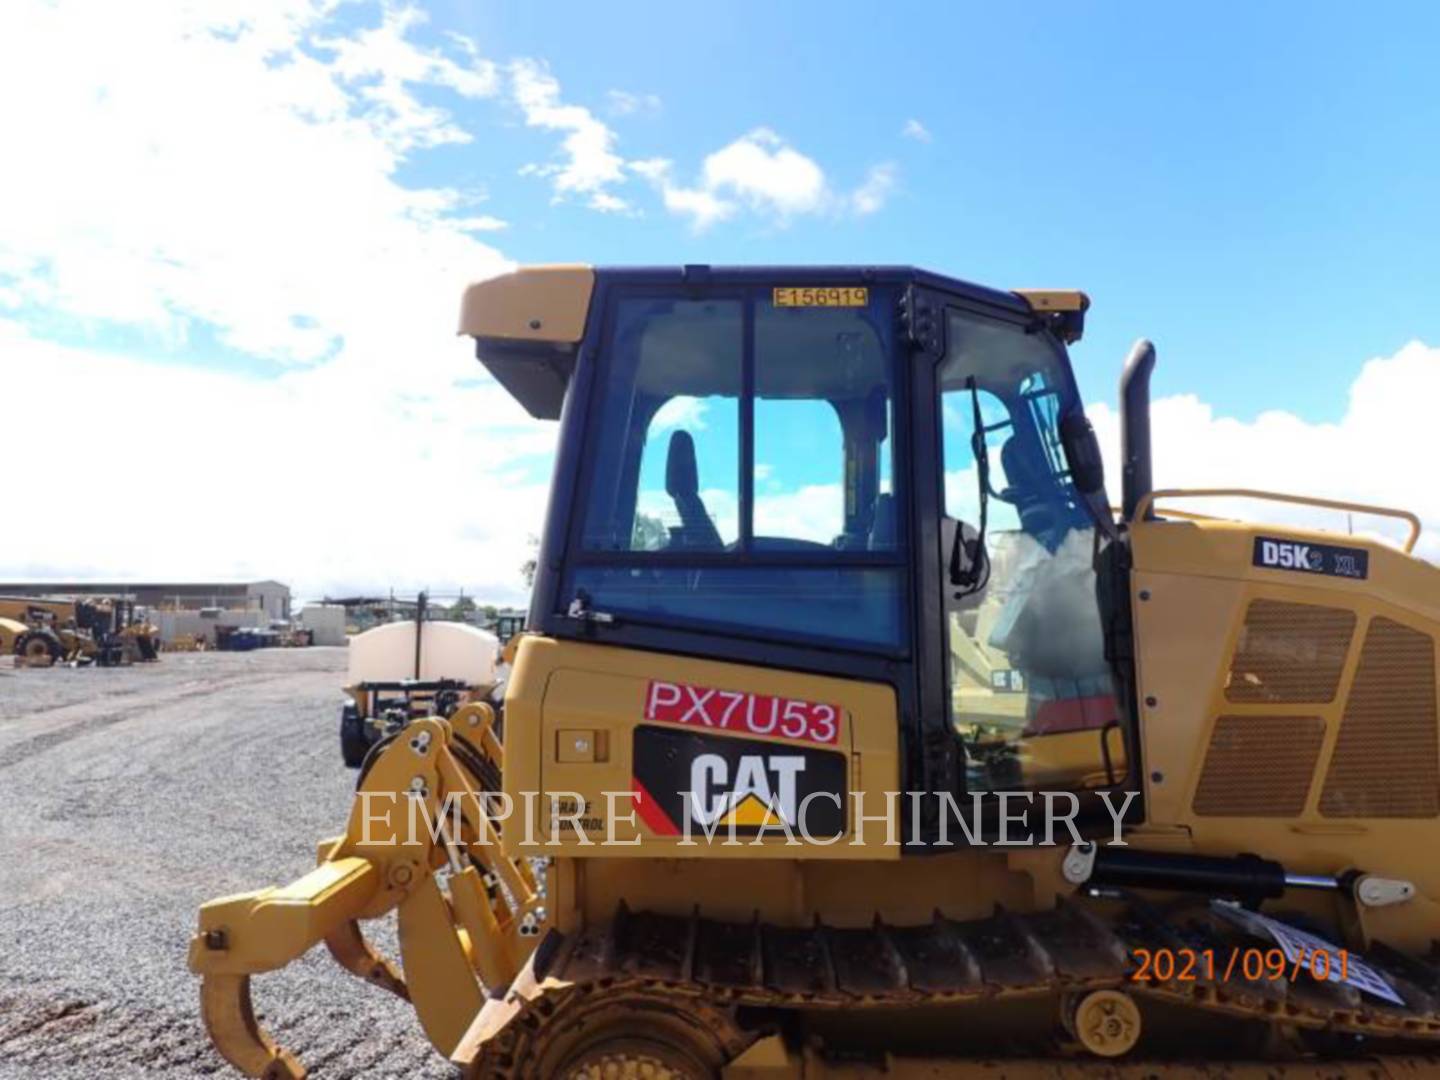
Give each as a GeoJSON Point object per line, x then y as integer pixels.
{"type": "Point", "coordinates": [1135, 427]}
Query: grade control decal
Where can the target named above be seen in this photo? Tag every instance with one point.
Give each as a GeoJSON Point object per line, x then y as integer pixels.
{"type": "Point", "coordinates": [742, 713]}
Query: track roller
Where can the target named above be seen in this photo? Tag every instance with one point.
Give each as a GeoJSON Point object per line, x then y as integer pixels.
{"type": "Point", "coordinates": [1106, 1023]}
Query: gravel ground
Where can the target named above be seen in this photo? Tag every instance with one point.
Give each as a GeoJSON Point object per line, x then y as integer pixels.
{"type": "Point", "coordinates": [127, 798]}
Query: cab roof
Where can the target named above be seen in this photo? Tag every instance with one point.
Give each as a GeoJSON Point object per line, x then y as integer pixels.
{"type": "Point", "coordinates": [529, 322]}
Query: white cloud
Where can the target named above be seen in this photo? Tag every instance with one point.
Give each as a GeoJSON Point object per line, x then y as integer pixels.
{"type": "Point", "coordinates": [814, 512]}
{"type": "Point", "coordinates": [624, 103]}
{"type": "Point", "coordinates": [763, 170]}
{"type": "Point", "coordinates": [590, 166]}
{"type": "Point", "coordinates": [480, 223]}
{"type": "Point", "coordinates": [239, 187]}
{"type": "Point", "coordinates": [380, 65]}
{"type": "Point", "coordinates": [1378, 453]}
{"type": "Point", "coordinates": [680, 412]}
{"type": "Point", "coordinates": [914, 129]}
{"type": "Point", "coordinates": [259, 199]}
{"type": "Point", "coordinates": [313, 478]}
{"type": "Point", "coordinates": [870, 196]}
{"type": "Point", "coordinates": [761, 173]}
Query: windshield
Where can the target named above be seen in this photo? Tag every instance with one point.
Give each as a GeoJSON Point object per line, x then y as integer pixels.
{"type": "Point", "coordinates": [742, 474]}
{"type": "Point", "coordinates": [1031, 691]}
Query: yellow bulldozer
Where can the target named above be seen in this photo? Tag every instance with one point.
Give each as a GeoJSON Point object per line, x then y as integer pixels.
{"type": "Point", "coordinates": [854, 734]}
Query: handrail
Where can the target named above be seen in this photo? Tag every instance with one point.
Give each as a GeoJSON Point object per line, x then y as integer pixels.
{"type": "Point", "coordinates": [1188, 515]}
{"type": "Point", "coordinates": [1149, 499]}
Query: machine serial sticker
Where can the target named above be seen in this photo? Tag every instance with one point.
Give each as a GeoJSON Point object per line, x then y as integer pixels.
{"type": "Point", "coordinates": [1346, 562]}
{"type": "Point", "coordinates": [1305, 952]}
{"type": "Point", "coordinates": [742, 713]}
{"type": "Point", "coordinates": [690, 784]}
{"type": "Point", "coordinates": [822, 296]}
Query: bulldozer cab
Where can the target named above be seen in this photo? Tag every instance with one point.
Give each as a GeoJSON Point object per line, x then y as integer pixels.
{"type": "Point", "coordinates": [852, 472]}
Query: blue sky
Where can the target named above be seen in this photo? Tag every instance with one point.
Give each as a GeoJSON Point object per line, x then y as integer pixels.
{"type": "Point", "coordinates": [1249, 185]}
{"type": "Point", "coordinates": [250, 243]}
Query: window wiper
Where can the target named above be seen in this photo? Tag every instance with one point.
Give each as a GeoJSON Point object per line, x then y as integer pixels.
{"type": "Point", "coordinates": [975, 573]}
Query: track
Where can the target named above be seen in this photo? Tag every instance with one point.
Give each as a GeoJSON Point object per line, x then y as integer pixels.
{"type": "Point", "coordinates": [1007, 962]}
{"type": "Point", "coordinates": [127, 798]}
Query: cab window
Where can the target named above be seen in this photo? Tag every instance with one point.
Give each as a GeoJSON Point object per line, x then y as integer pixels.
{"type": "Point", "coordinates": [1032, 696]}
{"type": "Point", "coordinates": [741, 469]}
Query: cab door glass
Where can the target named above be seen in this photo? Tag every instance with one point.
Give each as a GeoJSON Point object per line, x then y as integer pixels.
{"type": "Point", "coordinates": [1032, 696]}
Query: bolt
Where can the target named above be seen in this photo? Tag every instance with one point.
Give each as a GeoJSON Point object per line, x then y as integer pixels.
{"type": "Point", "coordinates": [401, 875]}
{"type": "Point", "coordinates": [1144, 594]}
{"type": "Point", "coordinates": [534, 324]}
{"type": "Point", "coordinates": [1150, 702]}
{"type": "Point", "coordinates": [1157, 777]}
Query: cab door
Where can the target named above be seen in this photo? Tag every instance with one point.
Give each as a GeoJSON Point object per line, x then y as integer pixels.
{"type": "Point", "coordinates": [1018, 676]}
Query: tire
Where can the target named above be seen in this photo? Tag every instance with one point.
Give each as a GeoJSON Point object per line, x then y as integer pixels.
{"type": "Point", "coordinates": [354, 740]}
{"type": "Point", "coordinates": [38, 644]}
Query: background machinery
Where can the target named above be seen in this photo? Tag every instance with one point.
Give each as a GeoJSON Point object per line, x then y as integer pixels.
{"type": "Point", "coordinates": [830, 605]}
{"type": "Point", "coordinates": [400, 671]}
{"type": "Point", "coordinates": [51, 630]}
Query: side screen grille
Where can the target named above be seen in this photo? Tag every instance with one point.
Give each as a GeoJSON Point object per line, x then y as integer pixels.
{"type": "Point", "coordinates": [1259, 766]}
{"type": "Point", "coordinates": [1387, 761]}
{"type": "Point", "coordinates": [1289, 654]}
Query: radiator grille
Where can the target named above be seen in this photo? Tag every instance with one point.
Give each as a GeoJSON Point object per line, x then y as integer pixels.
{"type": "Point", "coordinates": [1289, 653]}
{"type": "Point", "coordinates": [1259, 766]}
{"type": "Point", "coordinates": [1387, 762]}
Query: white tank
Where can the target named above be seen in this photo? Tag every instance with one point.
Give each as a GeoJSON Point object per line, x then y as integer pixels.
{"type": "Point", "coordinates": [448, 650]}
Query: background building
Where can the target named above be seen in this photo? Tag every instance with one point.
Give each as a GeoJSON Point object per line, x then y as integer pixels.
{"type": "Point", "coordinates": [270, 598]}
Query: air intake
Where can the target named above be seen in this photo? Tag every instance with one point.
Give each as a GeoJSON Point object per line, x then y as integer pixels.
{"type": "Point", "coordinates": [1289, 654]}
{"type": "Point", "coordinates": [1259, 766]}
{"type": "Point", "coordinates": [1387, 761]}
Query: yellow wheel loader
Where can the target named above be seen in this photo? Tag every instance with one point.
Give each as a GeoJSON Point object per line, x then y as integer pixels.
{"type": "Point", "coordinates": [853, 734]}
{"type": "Point", "coordinates": [105, 632]}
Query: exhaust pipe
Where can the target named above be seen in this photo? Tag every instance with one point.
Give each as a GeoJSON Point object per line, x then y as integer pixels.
{"type": "Point", "coordinates": [1135, 427]}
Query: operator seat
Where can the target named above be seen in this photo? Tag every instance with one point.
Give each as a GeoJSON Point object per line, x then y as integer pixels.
{"type": "Point", "coordinates": [682, 484]}
{"type": "Point", "coordinates": [1026, 490]}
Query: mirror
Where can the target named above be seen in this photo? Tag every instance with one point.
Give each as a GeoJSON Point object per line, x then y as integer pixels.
{"type": "Point", "coordinates": [1082, 453]}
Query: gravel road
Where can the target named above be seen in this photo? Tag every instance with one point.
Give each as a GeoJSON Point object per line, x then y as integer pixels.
{"type": "Point", "coordinates": [128, 797]}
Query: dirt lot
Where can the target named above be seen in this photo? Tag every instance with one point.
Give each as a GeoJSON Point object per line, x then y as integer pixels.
{"type": "Point", "coordinates": [128, 797]}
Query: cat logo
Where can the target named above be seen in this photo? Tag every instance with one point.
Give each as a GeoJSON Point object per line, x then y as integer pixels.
{"type": "Point", "coordinates": [692, 784]}
{"type": "Point", "coordinates": [762, 791]}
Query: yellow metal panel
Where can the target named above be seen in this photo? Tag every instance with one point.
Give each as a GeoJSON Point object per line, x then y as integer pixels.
{"type": "Point", "coordinates": [264, 930]}
{"type": "Point", "coordinates": [535, 303]}
{"type": "Point", "coordinates": [1054, 299]}
{"type": "Point", "coordinates": [567, 686]}
{"type": "Point", "coordinates": [1193, 586]}
{"type": "Point", "coordinates": [574, 747]}
{"type": "Point", "coordinates": [437, 970]}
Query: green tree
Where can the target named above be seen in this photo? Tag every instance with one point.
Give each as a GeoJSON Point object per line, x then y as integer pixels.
{"type": "Point", "coordinates": [650, 534]}
{"type": "Point", "coordinates": [529, 566]}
